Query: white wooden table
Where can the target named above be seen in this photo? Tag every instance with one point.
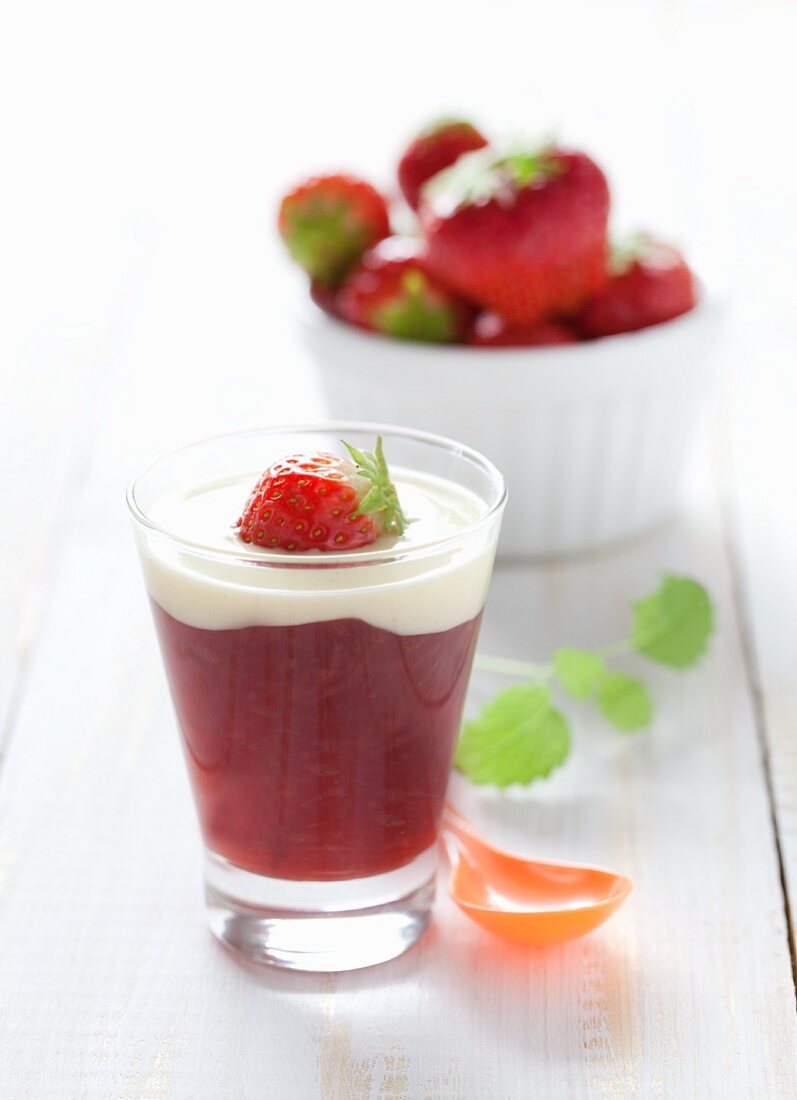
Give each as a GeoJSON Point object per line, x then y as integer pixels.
{"type": "Point", "coordinates": [147, 306]}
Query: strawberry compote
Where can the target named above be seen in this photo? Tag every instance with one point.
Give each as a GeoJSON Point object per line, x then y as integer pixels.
{"type": "Point", "coordinates": [318, 694]}
{"type": "Point", "coordinates": [322, 750]}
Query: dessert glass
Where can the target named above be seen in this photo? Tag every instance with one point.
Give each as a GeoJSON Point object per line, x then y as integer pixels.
{"type": "Point", "coordinates": [319, 697]}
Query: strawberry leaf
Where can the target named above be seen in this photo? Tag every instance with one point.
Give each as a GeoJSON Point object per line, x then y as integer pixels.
{"type": "Point", "coordinates": [382, 495]}
{"type": "Point", "coordinates": [673, 626]}
{"type": "Point", "coordinates": [518, 737]}
{"type": "Point", "coordinates": [415, 313]}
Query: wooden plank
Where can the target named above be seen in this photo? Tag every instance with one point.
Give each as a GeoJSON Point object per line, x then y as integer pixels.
{"type": "Point", "coordinates": [763, 518]}
{"type": "Point", "coordinates": [46, 433]}
{"type": "Point", "coordinates": [110, 984]}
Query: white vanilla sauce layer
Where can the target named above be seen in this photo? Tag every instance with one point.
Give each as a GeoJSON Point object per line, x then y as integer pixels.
{"type": "Point", "coordinates": [424, 594]}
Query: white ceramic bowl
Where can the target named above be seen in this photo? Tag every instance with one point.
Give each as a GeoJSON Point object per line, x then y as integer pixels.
{"type": "Point", "coordinates": [592, 438]}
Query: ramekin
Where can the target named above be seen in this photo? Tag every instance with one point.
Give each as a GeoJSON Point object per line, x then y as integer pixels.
{"type": "Point", "coordinates": [593, 438]}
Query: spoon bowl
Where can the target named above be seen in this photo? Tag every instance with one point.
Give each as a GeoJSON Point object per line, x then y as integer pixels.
{"type": "Point", "coordinates": [534, 902]}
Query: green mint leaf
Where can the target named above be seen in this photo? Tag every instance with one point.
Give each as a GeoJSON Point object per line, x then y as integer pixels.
{"type": "Point", "coordinates": [518, 737]}
{"type": "Point", "coordinates": [674, 624]}
{"type": "Point", "coordinates": [382, 495]}
{"type": "Point", "coordinates": [578, 671]}
{"type": "Point", "coordinates": [624, 700]}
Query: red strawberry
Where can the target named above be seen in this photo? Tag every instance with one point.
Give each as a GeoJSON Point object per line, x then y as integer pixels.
{"type": "Point", "coordinates": [523, 234]}
{"type": "Point", "coordinates": [491, 331]}
{"type": "Point", "coordinates": [322, 502]}
{"type": "Point", "coordinates": [389, 291]}
{"type": "Point", "coordinates": [432, 150]}
{"type": "Point", "coordinates": [329, 221]}
{"type": "Point", "coordinates": [650, 283]}
{"type": "Point", "coordinates": [325, 297]}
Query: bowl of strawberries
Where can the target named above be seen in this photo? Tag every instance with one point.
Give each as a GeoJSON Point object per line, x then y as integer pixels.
{"type": "Point", "coordinates": [504, 315]}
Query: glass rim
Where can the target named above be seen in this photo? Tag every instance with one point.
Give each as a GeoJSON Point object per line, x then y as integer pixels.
{"type": "Point", "coordinates": [319, 559]}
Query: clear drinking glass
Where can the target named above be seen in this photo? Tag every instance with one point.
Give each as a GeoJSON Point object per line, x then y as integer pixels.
{"type": "Point", "coordinates": [318, 695]}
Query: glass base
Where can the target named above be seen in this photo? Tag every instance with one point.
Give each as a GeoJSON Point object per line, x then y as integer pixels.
{"type": "Point", "coordinates": [320, 926]}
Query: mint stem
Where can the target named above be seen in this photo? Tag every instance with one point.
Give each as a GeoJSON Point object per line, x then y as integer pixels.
{"type": "Point", "coordinates": [504, 666]}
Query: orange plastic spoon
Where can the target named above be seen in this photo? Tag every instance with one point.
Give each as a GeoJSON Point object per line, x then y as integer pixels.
{"type": "Point", "coordinates": [530, 901]}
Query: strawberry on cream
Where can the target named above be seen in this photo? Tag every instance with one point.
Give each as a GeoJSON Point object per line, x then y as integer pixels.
{"type": "Point", "coordinates": [429, 579]}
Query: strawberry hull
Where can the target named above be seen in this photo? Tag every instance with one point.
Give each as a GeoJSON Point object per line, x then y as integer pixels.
{"type": "Point", "coordinates": [319, 751]}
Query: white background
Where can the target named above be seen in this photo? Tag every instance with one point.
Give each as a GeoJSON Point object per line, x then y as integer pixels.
{"type": "Point", "coordinates": [145, 145]}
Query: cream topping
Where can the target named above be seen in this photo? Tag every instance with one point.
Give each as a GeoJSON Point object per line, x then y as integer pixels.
{"type": "Point", "coordinates": [422, 593]}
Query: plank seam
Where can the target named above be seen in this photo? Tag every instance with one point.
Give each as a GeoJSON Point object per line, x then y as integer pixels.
{"type": "Point", "coordinates": [753, 675]}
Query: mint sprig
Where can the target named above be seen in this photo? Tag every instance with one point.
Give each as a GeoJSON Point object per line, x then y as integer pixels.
{"type": "Point", "coordinates": [521, 736]}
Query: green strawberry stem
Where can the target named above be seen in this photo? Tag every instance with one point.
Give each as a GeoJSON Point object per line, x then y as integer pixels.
{"type": "Point", "coordinates": [415, 315]}
{"type": "Point", "coordinates": [324, 239]}
{"type": "Point", "coordinates": [382, 496]}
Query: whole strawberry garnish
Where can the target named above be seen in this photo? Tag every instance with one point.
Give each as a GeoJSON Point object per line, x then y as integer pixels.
{"type": "Point", "coordinates": [323, 502]}
{"type": "Point", "coordinates": [523, 234]}
{"type": "Point", "coordinates": [491, 331]}
{"type": "Point", "coordinates": [390, 291]}
{"type": "Point", "coordinates": [432, 150]}
{"type": "Point", "coordinates": [329, 221]}
{"type": "Point", "coordinates": [650, 282]}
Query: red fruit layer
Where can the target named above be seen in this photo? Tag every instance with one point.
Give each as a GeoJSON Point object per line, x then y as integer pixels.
{"type": "Point", "coordinates": [434, 149]}
{"type": "Point", "coordinates": [655, 286]}
{"type": "Point", "coordinates": [319, 751]}
{"type": "Point", "coordinates": [533, 245]}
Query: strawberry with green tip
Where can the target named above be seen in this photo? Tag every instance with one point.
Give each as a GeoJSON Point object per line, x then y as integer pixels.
{"type": "Point", "coordinates": [327, 222]}
{"type": "Point", "coordinates": [650, 282]}
{"type": "Point", "coordinates": [522, 233]}
{"type": "Point", "coordinates": [322, 501]}
{"type": "Point", "coordinates": [436, 147]}
{"type": "Point", "coordinates": [391, 292]}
